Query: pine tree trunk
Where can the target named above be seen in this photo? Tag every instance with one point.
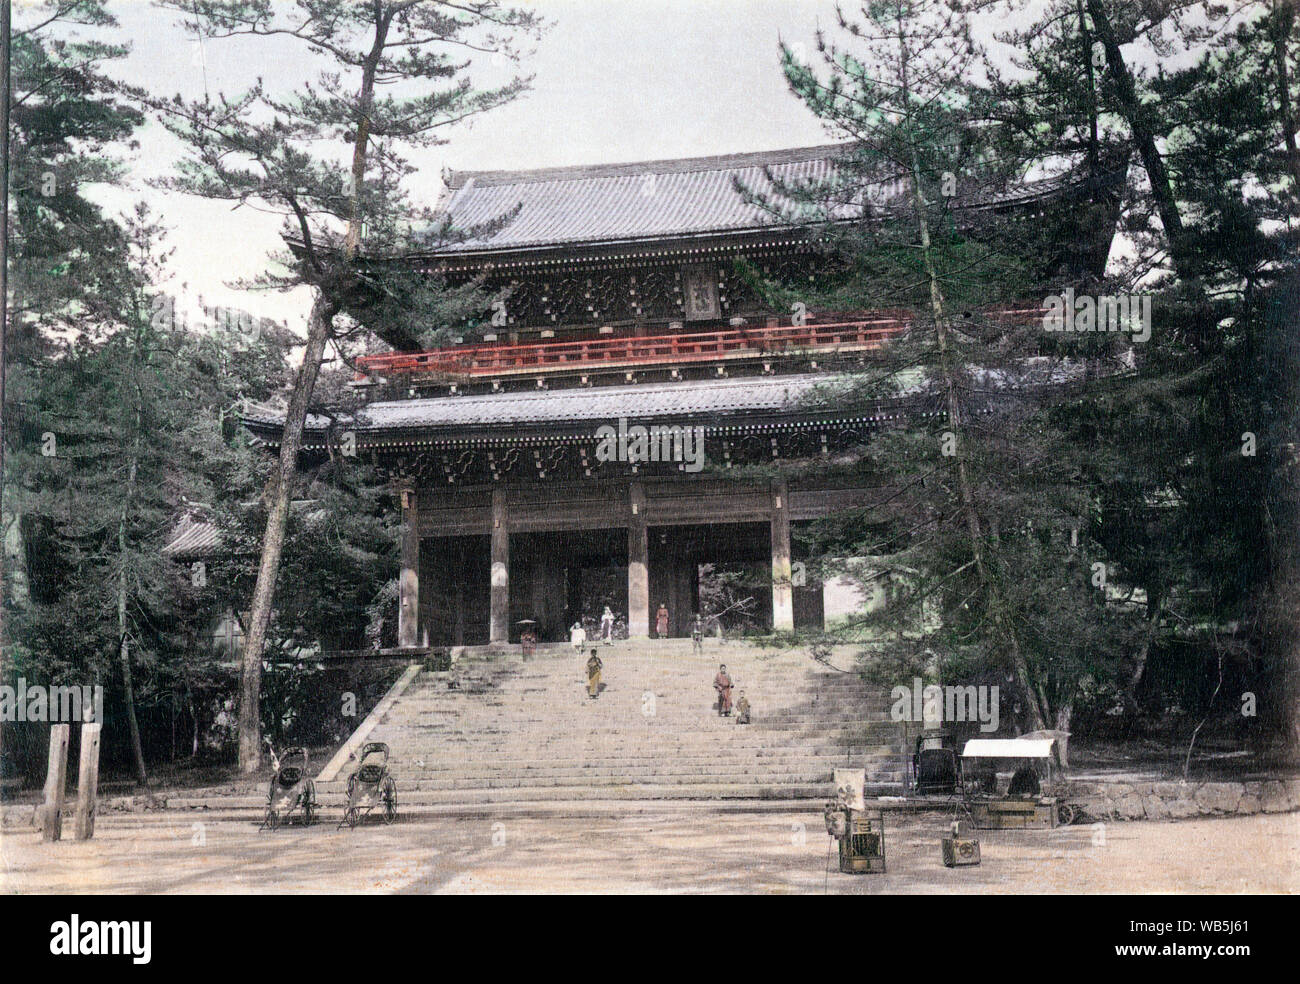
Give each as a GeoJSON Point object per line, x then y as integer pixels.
{"type": "Point", "coordinates": [282, 483]}
{"type": "Point", "coordinates": [5, 92]}
{"type": "Point", "coordinates": [1037, 704]}
{"type": "Point", "coordinates": [1063, 715]}
{"type": "Point", "coordinates": [1140, 662]}
{"type": "Point", "coordinates": [1291, 707]}
{"type": "Point", "coordinates": [1138, 118]}
{"type": "Point", "coordinates": [1288, 122]}
{"type": "Point", "coordinates": [280, 493]}
{"type": "Point", "coordinates": [124, 648]}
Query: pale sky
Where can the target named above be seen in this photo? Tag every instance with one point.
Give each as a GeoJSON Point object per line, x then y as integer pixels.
{"type": "Point", "coordinates": [616, 80]}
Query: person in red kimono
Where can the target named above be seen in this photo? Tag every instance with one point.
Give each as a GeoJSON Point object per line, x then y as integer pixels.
{"type": "Point", "coordinates": [661, 621]}
{"type": "Point", "coordinates": [722, 684]}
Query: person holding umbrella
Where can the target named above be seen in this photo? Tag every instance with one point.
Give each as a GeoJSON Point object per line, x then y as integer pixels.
{"type": "Point", "coordinates": [527, 637]}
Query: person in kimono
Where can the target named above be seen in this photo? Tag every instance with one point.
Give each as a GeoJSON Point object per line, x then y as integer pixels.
{"type": "Point", "coordinates": [697, 636]}
{"type": "Point", "coordinates": [593, 675]}
{"type": "Point", "coordinates": [722, 684]}
{"type": "Point", "coordinates": [607, 627]}
{"type": "Point", "coordinates": [661, 621]}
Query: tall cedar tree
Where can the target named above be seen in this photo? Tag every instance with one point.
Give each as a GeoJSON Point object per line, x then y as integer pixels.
{"type": "Point", "coordinates": [128, 446]}
{"type": "Point", "coordinates": [66, 120]}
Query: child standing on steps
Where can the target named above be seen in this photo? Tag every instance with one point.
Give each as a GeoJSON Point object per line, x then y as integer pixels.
{"type": "Point", "coordinates": [593, 675]}
{"type": "Point", "coordinates": [742, 709]}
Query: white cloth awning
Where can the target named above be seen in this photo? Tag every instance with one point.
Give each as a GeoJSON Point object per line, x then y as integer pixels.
{"type": "Point", "coordinates": [1008, 748]}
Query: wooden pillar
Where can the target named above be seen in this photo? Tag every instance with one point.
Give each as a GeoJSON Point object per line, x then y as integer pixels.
{"type": "Point", "coordinates": [56, 780]}
{"type": "Point", "coordinates": [408, 607]}
{"type": "Point", "coordinates": [458, 632]}
{"type": "Point", "coordinates": [499, 599]}
{"type": "Point", "coordinates": [782, 591]}
{"type": "Point", "coordinates": [638, 566]}
{"type": "Point", "coordinates": [87, 781]}
{"type": "Point", "coordinates": [681, 604]}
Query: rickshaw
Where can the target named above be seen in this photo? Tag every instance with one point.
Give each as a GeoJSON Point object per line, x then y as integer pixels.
{"type": "Point", "coordinates": [1038, 803]}
{"type": "Point", "coordinates": [371, 785]}
{"type": "Point", "coordinates": [935, 769]}
{"type": "Point", "coordinates": [292, 791]}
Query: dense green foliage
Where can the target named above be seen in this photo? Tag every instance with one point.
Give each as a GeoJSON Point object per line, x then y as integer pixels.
{"type": "Point", "coordinates": [1119, 542]}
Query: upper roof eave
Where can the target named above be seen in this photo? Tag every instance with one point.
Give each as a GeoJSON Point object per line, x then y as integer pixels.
{"type": "Point", "coordinates": [455, 180]}
{"type": "Point", "coordinates": [674, 243]}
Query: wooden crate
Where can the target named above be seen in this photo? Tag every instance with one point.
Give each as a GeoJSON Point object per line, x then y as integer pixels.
{"type": "Point", "coordinates": [1039, 814]}
{"type": "Point", "coordinates": [959, 852]}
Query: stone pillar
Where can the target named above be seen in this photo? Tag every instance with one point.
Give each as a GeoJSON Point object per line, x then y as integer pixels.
{"type": "Point", "coordinates": [638, 566]}
{"type": "Point", "coordinates": [408, 584]}
{"type": "Point", "coordinates": [782, 591]}
{"type": "Point", "coordinates": [499, 603]}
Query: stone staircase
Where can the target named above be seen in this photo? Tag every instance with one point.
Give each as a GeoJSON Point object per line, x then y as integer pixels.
{"type": "Point", "coordinates": [503, 730]}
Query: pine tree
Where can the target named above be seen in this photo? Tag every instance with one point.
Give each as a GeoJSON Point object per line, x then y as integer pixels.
{"type": "Point", "coordinates": [125, 448]}
{"type": "Point", "coordinates": [67, 120]}
{"type": "Point", "coordinates": [393, 78]}
{"type": "Point", "coordinates": [978, 517]}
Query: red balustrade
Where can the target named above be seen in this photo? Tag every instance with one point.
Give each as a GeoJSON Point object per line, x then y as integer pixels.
{"type": "Point", "coordinates": [480, 360]}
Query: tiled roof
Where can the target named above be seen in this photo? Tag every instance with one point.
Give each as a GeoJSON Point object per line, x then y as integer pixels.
{"type": "Point", "coordinates": [623, 202]}
{"type": "Point", "coordinates": [196, 536]}
{"type": "Point", "coordinates": [193, 537]}
{"type": "Point", "coordinates": [707, 401]}
{"type": "Point", "coordinates": [694, 399]}
{"type": "Point", "coordinates": [653, 200]}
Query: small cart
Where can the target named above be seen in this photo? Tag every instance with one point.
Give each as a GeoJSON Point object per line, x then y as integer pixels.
{"type": "Point", "coordinates": [1041, 808]}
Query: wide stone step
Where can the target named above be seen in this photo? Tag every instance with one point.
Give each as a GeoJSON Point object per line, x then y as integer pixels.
{"type": "Point", "coordinates": [620, 770]}
{"type": "Point", "coordinates": [414, 802]}
{"type": "Point", "coordinates": [816, 790]}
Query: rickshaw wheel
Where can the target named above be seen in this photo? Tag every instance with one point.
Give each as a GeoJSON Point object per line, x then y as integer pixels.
{"type": "Point", "coordinates": [1066, 813]}
{"type": "Point", "coordinates": [390, 800]}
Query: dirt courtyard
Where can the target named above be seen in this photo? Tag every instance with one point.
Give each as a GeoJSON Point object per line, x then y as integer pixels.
{"type": "Point", "coordinates": [654, 849]}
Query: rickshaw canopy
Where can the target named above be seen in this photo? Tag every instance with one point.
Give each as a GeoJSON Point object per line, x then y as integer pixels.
{"type": "Point", "coordinates": [1033, 748]}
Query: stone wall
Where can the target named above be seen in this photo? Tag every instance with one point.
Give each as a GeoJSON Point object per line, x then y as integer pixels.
{"type": "Point", "coordinates": [1174, 800]}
